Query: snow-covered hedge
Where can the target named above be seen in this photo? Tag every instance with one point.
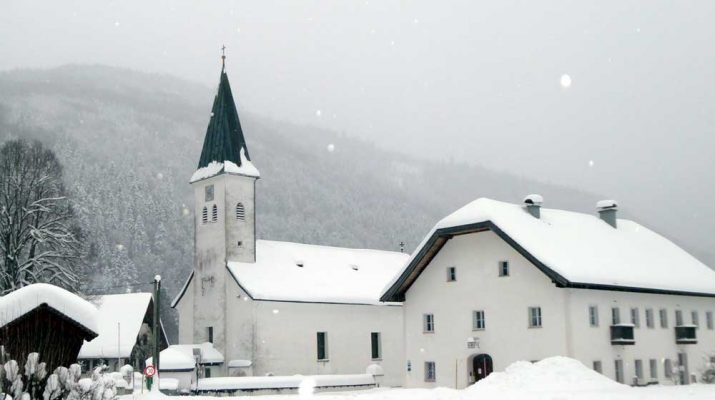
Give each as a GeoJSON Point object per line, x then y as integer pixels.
{"type": "Point", "coordinates": [34, 383]}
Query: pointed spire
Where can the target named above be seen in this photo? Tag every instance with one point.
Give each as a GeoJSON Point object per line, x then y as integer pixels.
{"type": "Point", "coordinates": [224, 139]}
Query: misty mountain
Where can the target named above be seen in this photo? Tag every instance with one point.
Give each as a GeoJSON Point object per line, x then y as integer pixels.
{"type": "Point", "coordinates": [129, 142]}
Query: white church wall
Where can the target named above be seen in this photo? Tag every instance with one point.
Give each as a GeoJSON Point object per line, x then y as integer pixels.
{"type": "Point", "coordinates": [240, 323]}
{"type": "Point", "coordinates": [593, 343]}
{"type": "Point", "coordinates": [210, 264]}
{"type": "Point", "coordinates": [505, 300]}
{"type": "Point", "coordinates": [185, 309]}
{"type": "Point", "coordinates": [287, 339]}
{"type": "Point", "coordinates": [240, 189]}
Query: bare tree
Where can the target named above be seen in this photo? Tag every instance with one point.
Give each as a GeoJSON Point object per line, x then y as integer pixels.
{"type": "Point", "coordinates": [38, 231]}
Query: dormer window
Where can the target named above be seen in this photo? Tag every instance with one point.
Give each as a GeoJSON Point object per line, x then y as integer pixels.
{"type": "Point", "coordinates": [205, 215]}
{"type": "Point", "coordinates": [209, 193]}
{"type": "Point", "coordinates": [240, 212]}
{"type": "Point", "coordinates": [214, 213]}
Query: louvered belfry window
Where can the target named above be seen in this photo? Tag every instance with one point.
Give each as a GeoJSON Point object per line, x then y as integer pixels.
{"type": "Point", "coordinates": [205, 215]}
{"type": "Point", "coordinates": [214, 213]}
{"type": "Point", "coordinates": [240, 212]}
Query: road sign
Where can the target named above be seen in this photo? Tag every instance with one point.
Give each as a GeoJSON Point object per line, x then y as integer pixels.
{"type": "Point", "coordinates": [149, 371]}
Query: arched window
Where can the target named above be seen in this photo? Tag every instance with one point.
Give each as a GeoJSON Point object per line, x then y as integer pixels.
{"type": "Point", "coordinates": [214, 213]}
{"type": "Point", "coordinates": [240, 212]}
{"type": "Point", "coordinates": [205, 215]}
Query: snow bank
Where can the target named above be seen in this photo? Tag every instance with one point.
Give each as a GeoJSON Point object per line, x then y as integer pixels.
{"type": "Point", "coordinates": [283, 382]}
{"type": "Point", "coordinates": [18, 303]}
{"type": "Point", "coordinates": [554, 374]}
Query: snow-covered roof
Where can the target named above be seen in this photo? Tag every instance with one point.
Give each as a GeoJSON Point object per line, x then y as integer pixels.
{"type": "Point", "coordinates": [21, 301]}
{"type": "Point", "coordinates": [209, 354]}
{"type": "Point", "coordinates": [574, 249]}
{"type": "Point", "coordinates": [240, 363]}
{"type": "Point", "coordinates": [119, 320]}
{"type": "Point", "coordinates": [283, 382]}
{"type": "Point", "coordinates": [175, 358]}
{"type": "Point", "coordinates": [214, 168]}
{"type": "Point", "coordinates": [301, 272]}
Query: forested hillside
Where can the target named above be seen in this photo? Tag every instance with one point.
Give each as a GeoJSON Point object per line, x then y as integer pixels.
{"type": "Point", "coordinates": [129, 142]}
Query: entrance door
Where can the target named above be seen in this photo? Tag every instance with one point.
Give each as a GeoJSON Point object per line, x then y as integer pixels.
{"type": "Point", "coordinates": [481, 366]}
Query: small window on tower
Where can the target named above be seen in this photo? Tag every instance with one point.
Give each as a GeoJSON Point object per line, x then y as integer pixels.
{"type": "Point", "coordinates": [205, 215]}
{"type": "Point", "coordinates": [240, 212]}
{"type": "Point", "coordinates": [214, 213]}
{"type": "Point", "coordinates": [209, 193]}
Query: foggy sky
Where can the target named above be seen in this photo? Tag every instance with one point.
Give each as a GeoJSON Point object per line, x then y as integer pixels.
{"type": "Point", "coordinates": [465, 81]}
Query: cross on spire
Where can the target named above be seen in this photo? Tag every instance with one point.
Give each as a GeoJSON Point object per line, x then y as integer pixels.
{"type": "Point", "coordinates": [223, 57]}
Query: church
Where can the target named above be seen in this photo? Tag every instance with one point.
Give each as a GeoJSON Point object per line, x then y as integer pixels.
{"type": "Point", "coordinates": [491, 284]}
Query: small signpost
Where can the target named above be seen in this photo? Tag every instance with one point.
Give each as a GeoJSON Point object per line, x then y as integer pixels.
{"type": "Point", "coordinates": [149, 371]}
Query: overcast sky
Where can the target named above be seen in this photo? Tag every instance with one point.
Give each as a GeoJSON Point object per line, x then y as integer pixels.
{"type": "Point", "coordinates": [474, 81]}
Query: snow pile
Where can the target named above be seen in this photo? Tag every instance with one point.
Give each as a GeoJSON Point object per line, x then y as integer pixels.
{"type": "Point", "coordinates": [584, 249]}
{"type": "Point", "coordinates": [283, 382]}
{"type": "Point", "coordinates": [174, 359]}
{"type": "Point", "coordinates": [18, 303]}
{"type": "Point", "coordinates": [215, 167]}
{"type": "Point", "coordinates": [552, 375]}
{"type": "Point", "coordinates": [119, 321]}
{"type": "Point", "coordinates": [301, 272]}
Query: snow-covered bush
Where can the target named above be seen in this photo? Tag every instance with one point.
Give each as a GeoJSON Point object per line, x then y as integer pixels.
{"type": "Point", "coordinates": [708, 374]}
{"type": "Point", "coordinates": [63, 384]}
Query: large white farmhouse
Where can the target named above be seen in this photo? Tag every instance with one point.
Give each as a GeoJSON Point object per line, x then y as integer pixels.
{"type": "Point", "coordinates": [495, 283]}
{"type": "Point", "coordinates": [491, 284]}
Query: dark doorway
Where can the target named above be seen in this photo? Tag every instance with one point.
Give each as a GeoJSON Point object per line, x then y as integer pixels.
{"type": "Point", "coordinates": [481, 366]}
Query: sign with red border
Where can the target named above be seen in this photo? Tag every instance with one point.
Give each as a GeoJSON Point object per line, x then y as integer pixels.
{"type": "Point", "coordinates": [149, 370]}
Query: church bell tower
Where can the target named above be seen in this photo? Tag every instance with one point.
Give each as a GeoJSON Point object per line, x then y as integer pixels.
{"type": "Point", "coordinates": [225, 214]}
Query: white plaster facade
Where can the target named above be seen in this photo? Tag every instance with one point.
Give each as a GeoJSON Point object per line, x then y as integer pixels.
{"type": "Point", "coordinates": [566, 328]}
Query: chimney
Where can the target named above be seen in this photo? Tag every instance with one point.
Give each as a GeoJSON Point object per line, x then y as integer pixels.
{"type": "Point", "coordinates": [533, 204]}
{"type": "Point", "coordinates": [607, 211]}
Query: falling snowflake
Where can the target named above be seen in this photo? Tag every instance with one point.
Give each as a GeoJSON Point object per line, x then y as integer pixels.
{"type": "Point", "coordinates": [275, 311]}
{"type": "Point", "coordinates": [116, 23]}
{"type": "Point", "coordinates": [416, 21]}
{"type": "Point", "coordinates": [306, 388]}
{"type": "Point", "coordinates": [120, 247]}
{"type": "Point", "coordinates": [590, 163]}
{"type": "Point", "coordinates": [331, 148]}
{"type": "Point", "coordinates": [185, 211]}
{"type": "Point", "coordinates": [159, 176]}
{"type": "Point", "coordinates": [318, 113]}
{"type": "Point", "coordinates": [565, 81]}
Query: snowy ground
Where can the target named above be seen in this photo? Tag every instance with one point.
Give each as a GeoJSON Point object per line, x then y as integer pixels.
{"type": "Point", "coordinates": [556, 378]}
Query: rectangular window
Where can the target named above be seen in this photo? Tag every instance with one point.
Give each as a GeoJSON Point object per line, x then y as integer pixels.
{"type": "Point", "coordinates": [593, 315]}
{"type": "Point", "coordinates": [430, 371]}
{"type": "Point", "coordinates": [639, 369]}
{"type": "Point", "coordinates": [428, 323]}
{"type": "Point", "coordinates": [376, 345]}
{"type": "Point", "coordinates": [478, 321]}
{"type": "Point", "coordinates": [451, 274]}
{"type": "Point", "coordinates": [503, 268]}
{"type": "Point", "coordinates": [534, 317]}
{"type": "Point", "coordinates": [709, 319]}
{"type": "Point", "coordinates": [210, 334]}
{"type": "Point", "coordinates": [668, 368]}
{"type": "Point", "coordinates": [209, 193]}
{"type": "Point", "coordinates": [649, 318]}
{"type": "Point", "coordinates": [598, 367]}
{"type": "Point", "coordinates": [322, 345]}
{"type": "Point", "coordinates": [636, 317]}
{"type": "Point", "coordinates": [615, 316]}
{"type": "Point", "coordinates": [619, 371]}
{"type": "Point", "coordinates": [695, 318]}
{"type": "Point", "coordinates": [663, 318]}
{"type": "Point", "coordinates": [678, 318]}
{"type": "Point", "coordinates": [207, 371]}
{"type": "Point", "coordinates": [653, 369]}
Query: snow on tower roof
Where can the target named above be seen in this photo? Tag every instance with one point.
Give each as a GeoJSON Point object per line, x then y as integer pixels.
{"type": "Point", "coordinates": [21, 301]}
{"type": "Point", "coordinates": [573, 249]}
{"type": "Point", "coordinates": [119, 320]}
{"type": "Point", "coordinates": [308, 273]}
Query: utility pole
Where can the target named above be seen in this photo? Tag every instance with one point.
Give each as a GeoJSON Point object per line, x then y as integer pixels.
{"type": "Point", "coordinates": [155, 330]}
